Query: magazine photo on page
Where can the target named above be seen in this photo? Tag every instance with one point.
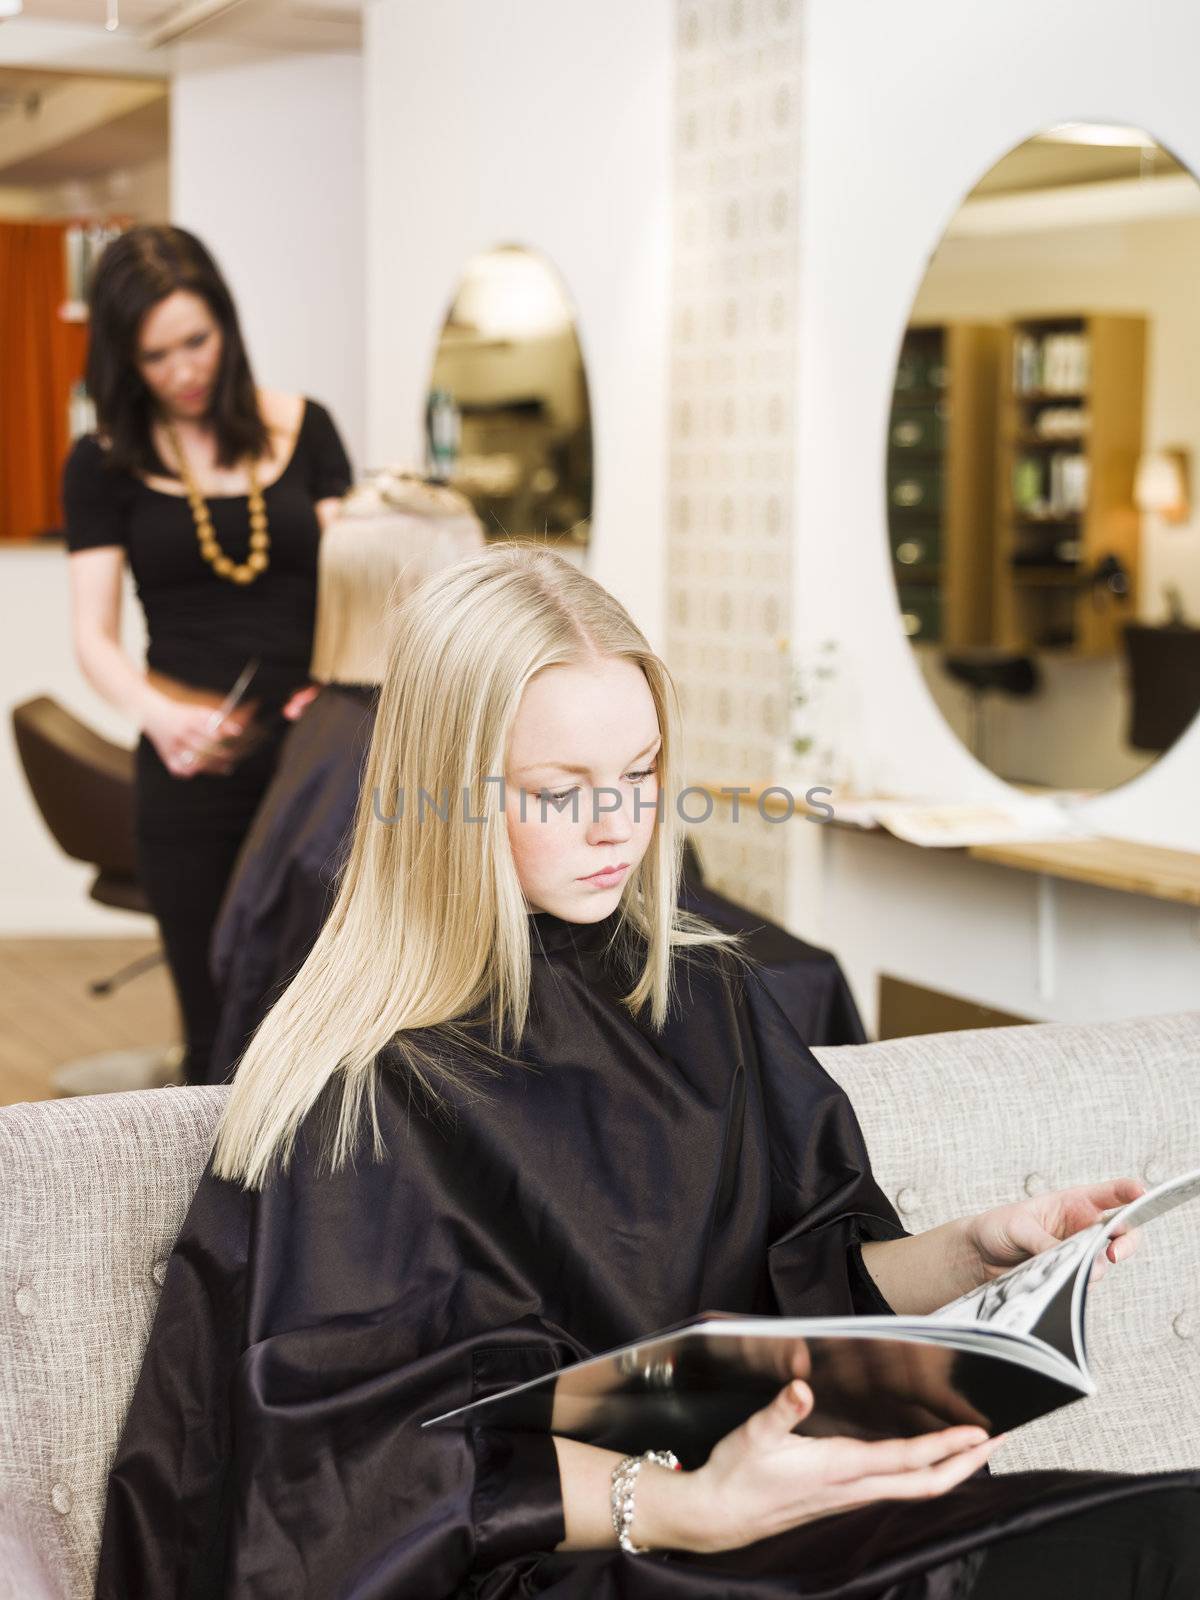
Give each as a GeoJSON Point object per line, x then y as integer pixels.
{"type": "Point", "coordinates": [1011, 1350]}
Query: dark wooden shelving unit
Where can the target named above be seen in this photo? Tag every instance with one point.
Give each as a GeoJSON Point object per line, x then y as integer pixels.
{"type": "Point", "coordinates": [1053, 605]}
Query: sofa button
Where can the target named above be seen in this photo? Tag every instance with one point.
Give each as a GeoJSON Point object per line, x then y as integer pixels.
{"type": "Point", "coordinates": [1036, 1184]}
{"type": "Point", "coordinates": [159, 1272]}
{"type": "Point", "coordinates": [1183, 1325]}
{"type": "Point", "coordinates": [1154, 1172]}
{"type": "Point", "coordinates": [26, 1301]}
{"type": "Point", "coordinates": [60, 1498]}
{"type": "Point", "coordinates": [908, 1201]}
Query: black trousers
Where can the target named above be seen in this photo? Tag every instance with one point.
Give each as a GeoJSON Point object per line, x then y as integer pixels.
{"type": "Point", "coordinates": [188, 834]}
{"type": "Point", "coordinates": [1146, 1547]}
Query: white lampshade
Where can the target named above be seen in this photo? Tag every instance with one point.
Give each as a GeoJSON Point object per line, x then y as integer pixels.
{"type": "Point", "coordinates": [10, 8]}
{"type": "Point", "coordinates": [1161, 484]}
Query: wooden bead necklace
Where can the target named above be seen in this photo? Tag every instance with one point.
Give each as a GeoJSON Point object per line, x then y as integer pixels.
{"type": "Point", "coordinates": [260, 540]}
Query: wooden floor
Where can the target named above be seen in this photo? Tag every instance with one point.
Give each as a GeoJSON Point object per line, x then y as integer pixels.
{"type": "Point", "coordinates": [48, 1017]}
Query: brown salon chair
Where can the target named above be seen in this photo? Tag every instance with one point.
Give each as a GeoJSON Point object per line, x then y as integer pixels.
{"type": "Point", "coordinates": [1163, 666]}
{"type": "Point", "coordinates": [83, 786]}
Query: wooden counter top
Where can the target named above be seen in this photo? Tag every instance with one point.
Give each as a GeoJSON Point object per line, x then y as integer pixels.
{"type": "Point", "coordinates": [1121, 864]}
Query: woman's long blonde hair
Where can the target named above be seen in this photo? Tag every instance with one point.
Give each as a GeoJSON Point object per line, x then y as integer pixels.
{"type": "Point", "coordinates": [429, 925]}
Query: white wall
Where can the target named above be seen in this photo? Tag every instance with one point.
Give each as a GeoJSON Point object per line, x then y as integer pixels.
{"type": "Point", "coordinates": [906, 106]}
{"type": "Point", "coordinates": [547, 125]}
{"type": "Point", "coordinates": [266, 167]}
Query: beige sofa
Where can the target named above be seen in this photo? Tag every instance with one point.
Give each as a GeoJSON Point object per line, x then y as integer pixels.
{"type": "Point", "coordinates": [93, 1191]}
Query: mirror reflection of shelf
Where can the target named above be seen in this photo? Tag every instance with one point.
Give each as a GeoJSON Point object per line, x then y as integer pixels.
{"type": "Point", "coordinates": [1069, 577]}
{"type": "Point", "coordinates": [1070, 438]}
{"type": "Point", "coordinates": [940, 481]}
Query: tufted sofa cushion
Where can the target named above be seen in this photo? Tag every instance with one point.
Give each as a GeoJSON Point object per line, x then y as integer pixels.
{"type": "Point", "coordinates": [93, 1193]}
{"type": "Point", "coordinates": [958, 1122]}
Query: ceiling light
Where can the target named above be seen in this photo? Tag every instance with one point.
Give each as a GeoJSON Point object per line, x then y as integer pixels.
{"type": "Point", "coordinates": [1116, 134]}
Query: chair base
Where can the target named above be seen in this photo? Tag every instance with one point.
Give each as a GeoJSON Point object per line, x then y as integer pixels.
{"type": "Point", "coordinates": [112, 1071]}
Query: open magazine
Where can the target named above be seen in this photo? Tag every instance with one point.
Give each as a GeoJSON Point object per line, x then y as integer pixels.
{"type": "Point", "coordinates": [1002, 1355]}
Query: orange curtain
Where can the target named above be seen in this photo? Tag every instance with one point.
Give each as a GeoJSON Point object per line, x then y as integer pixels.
{"type": "Point", "coordinates": [41, 356]}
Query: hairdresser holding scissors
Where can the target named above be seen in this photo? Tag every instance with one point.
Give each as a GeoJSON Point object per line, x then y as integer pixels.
{"type": "Point", "coordinates": [213, 493]}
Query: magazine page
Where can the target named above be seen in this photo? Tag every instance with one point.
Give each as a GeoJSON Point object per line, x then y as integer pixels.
{"type": "Point", "coordinates": [1019, 1299]}
{"type": "Point", "coordinates": [1042, 1297]}
{"type": "Point", "coordinates": [1021, 819]}
{"type": "Point", "coordinates": [1156, 1203]}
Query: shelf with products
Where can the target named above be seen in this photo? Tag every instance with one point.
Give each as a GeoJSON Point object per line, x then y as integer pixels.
{"type": "Point", "coordinates": [1066, 575]}
{"type": "Point", "coordinates": [1030, 440]}
{"type": "Point", "coordinates": [940, 487]}
{"type": "Point", "coordinates": [1070, 436]}
{"type": "Point", "coordinates": [83, 243]}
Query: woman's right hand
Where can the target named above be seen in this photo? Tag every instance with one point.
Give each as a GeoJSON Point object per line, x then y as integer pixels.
{"type": "Point", "coordinates": [763, 1479]}
{"type": "Point", "coordinates": [185, 739]}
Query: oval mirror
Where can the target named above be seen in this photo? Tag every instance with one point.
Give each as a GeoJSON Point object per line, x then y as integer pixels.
{"type": "Point", "coordinates": [1044, 420]}
{"type": "Point", "coordinates": [507, 416]}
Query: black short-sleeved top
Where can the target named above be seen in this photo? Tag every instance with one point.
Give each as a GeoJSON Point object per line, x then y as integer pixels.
{"type": "Point", "coordinates": [202, 629]}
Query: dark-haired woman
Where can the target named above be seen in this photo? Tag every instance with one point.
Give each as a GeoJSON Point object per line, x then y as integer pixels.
{"type": "Point", "coordinates": [213, 493]}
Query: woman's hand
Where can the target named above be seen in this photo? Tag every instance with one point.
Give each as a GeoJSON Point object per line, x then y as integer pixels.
{"type": "Point", "coordinates": [186, 740]}
{"type": "Point", "coordinates": [918, 1274]}
{"type": "Point", "coordinates": [300, 701]}
{"type": "Point", "coordinates": [1005, 1237]}
{"type": "Point", "coordinates": [763, 1479]}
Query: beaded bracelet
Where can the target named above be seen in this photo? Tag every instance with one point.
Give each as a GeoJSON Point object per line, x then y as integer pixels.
{"type": "Point", "coordinates": [624, 1482]}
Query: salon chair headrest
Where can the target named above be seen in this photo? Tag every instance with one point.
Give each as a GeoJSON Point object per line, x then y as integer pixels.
{"type": "Point", "coordinates": [1004, 671]}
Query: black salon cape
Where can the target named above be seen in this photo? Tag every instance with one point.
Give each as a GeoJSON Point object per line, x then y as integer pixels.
{"type": "Point", "coordinates": [283, 881]}
{"type": "Point", "coordinates": [808, 982]}
{"type": "Point", "coordinates": [620, 1182]}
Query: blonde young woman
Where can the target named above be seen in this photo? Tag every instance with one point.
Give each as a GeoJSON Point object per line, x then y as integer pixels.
{"type": "Point", "coordinates": [515, 1109]}
{"type": "Point", "coordinates": [389, 536]}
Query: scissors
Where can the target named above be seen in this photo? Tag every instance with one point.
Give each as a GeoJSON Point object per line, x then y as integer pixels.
{"type": "Point", "coordinates": [227, 705]}
{"type": "Point", "coordinates": [234, 696]}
